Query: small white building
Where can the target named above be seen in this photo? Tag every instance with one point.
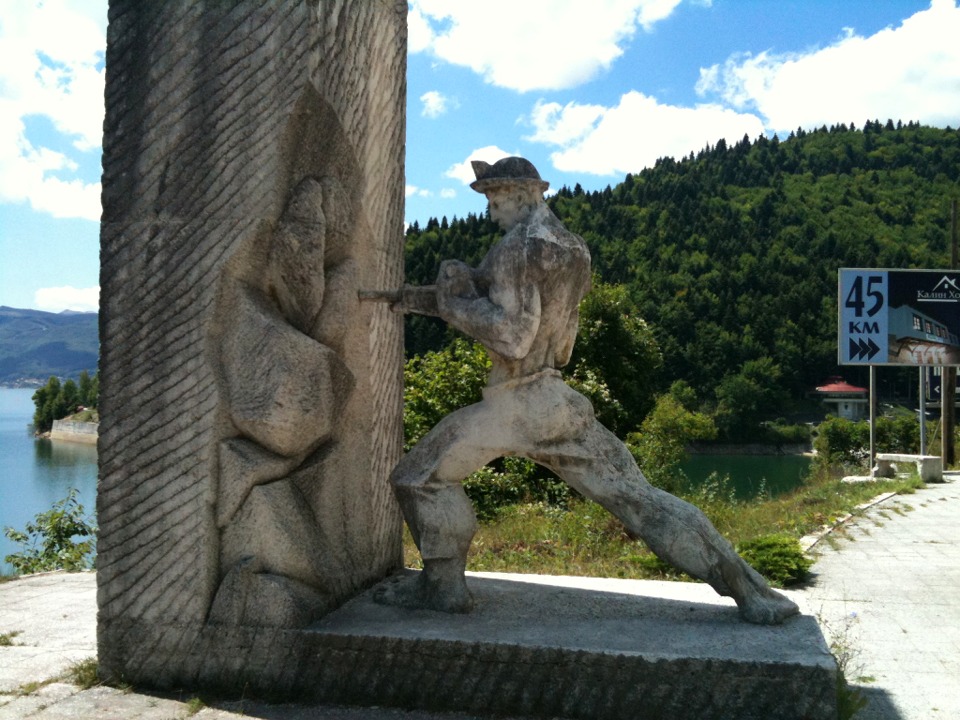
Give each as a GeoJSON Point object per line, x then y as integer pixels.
{"type": "Point", "coordinates": [845, 400]}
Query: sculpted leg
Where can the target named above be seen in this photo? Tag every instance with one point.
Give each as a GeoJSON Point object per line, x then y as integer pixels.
{"type": "Point", "coordinates": [682, 535]}
{"type": "Point", "coordinates": [439, 513]}
{"type": "Point", "coordinates": [675, 530]}
{"type": "Point", "coordinates": [443, 542]}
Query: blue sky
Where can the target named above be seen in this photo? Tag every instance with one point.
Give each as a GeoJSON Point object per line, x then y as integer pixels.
{"type": "Point", "coordinates": [586, 90]}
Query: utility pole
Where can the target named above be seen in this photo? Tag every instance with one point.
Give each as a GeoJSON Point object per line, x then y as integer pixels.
{"type": "Point", "coordinates": [948, 387]}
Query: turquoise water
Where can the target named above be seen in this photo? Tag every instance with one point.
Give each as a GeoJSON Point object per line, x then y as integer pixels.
{"type": "Point", "coordinates": [34, 474]}
{"type": "Point", "coordinates": [748, 473]}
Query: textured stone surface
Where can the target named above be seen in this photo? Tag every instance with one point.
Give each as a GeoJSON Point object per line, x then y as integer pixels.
{"type": "Point", "coordinates": [253, 181]}
{"type": "Point", "coordinates": [537, 647]}
{"type": "Point", "coordinates": [284, 390]}
{"type": "Point", "coordinates": [580, 648]}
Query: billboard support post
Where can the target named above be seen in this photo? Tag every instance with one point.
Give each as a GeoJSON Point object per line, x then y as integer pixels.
{"type": "Point", "coordinates": [923, 411]}
{"type": "Point", "coordinates": [948, 390]}
{"type": "Point", "coordinates": [873, 420]}
{"type": "Point", "coordinates": [948, 386]}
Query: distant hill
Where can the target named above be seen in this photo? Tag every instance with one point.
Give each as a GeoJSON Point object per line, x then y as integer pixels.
{"type": "Point", "coordinates": [731, 254]}
{"type": "Point", "coordinates": [35, 345]}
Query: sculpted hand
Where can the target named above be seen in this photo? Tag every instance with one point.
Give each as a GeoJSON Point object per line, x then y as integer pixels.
{"type": "Point", "coordinates": [456, 280]}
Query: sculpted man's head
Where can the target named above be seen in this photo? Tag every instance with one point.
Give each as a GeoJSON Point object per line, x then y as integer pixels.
{"type": "Point", "coordinates": [513, 188]}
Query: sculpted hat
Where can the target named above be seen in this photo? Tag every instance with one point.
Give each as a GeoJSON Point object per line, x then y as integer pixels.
{"type": "Point", "coordinates": [506, 172]}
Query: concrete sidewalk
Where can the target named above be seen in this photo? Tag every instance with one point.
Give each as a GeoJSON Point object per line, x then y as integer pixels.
{"type": "Point", "coordinates": [886, 591]}
{"type": "Point", "coordinates": [50, 622]}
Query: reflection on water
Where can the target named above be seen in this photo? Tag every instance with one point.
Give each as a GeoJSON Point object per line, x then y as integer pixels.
{"type": "Point", "coordinates": [52, 455]}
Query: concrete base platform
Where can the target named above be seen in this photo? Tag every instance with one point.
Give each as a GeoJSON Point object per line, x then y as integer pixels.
{"type": "Point", "coordinates": [579, 648]}
{"type": "Point", "coordinates": [534, 646]}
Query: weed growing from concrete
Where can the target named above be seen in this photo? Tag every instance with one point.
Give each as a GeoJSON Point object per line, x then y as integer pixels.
{"type": "Point", "coordinates": [850, 699]}
{"type": "Point", "coordinates": [29, 688]}
{"type": "Point", "coordinates": [84, 673]}
{"type": "Point", "coordinates": [195, 705]}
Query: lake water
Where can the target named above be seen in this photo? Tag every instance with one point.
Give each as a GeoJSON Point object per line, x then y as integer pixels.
{"type": "Point", "coordinates": [748, 473]}
{"type": "Point", "coordinates": [34, 474]}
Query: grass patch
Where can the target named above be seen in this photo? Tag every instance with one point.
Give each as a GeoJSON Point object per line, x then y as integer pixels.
{"type": "Point", "coordinates": [29, 688]}
{"type": "Point", "coordinates": [778, 558]}
{"type": "Point", "coordinates": [92, 416]}
{"type": "Point", "coordinates": [84, 673]}
{"type": "Point", "coordinates": [584, 539]}
{"type": "Point", "coordinates": [6, 639]}
{"type": "Point", "coordinates": [195, 705]}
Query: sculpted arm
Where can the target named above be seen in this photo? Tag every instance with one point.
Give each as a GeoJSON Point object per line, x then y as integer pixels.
{"type": "Point", "coordinates": [506, 317]}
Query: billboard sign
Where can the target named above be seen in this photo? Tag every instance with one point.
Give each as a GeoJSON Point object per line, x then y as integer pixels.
{"type": "Point", "coordinates": [899, 317]}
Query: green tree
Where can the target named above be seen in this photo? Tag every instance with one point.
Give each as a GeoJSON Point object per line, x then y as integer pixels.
{"type": "Point", "coordinates": [45, 401]}
{"type": "Point", "coordinates": [681, 391]}
{"type": "Point", "coordinates": [660, 445]}
{"type": "Point", "coordinates": [93, 399]}
{"type": "Point", "coordinates": [616, 348]}
{"type": "Point", "coordinates": [88, 389]}
{"type": "Point", "coordinates": [746, 397]}
{"type": "Point", "coordinates": [70, 399]}
{"type": "Point", "coordinates": [440, 382]}
{"type": "Point", "coordinates": [608, 410]}
{"type": "Point", "coordinates": [731, 254]}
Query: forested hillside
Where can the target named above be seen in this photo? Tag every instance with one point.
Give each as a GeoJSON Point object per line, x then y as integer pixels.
{"type": "Point", "coordinates": [35, 345]}
{"type": "Point", "coordinates": [731, 255]}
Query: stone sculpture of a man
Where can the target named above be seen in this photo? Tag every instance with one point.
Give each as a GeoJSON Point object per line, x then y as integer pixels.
{"type": "Point", "coordinates": [521, 304]}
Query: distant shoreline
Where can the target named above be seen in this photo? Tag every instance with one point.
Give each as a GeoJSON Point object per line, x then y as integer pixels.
{"type": "Point", "coordinates": [751, 449]}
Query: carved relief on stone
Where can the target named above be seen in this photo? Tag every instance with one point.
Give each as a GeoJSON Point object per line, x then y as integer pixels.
{"type": "Point", "coordinates": [288, 312]}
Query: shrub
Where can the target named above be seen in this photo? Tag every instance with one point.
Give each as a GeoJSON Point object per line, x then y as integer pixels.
{"type": "Point", "coordinates": [660, 446]}
{"type": "Point", "coordinates": [779, 433]}
{"type": "Point", "coordinates": [845, 442]}
{"type": "Point", "coordinates": [518, 481]}
{"type": "Point", "coordinates": [54, 531]}
{"type": "Point", "coordinates": [777, 557]}
{"type": "Point", "coordinates": [841, 441]}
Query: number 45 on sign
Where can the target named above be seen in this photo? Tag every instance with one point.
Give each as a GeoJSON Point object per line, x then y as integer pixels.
{"type": "Point", "coordinates": [863, 317]}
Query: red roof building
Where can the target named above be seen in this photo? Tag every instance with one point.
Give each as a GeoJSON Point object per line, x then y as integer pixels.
{"type": "Point", "coordinates": [845, 400]}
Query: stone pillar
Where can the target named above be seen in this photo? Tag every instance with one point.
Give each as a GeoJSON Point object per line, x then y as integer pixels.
{"type": "Point", "coordinates": [250, 405]}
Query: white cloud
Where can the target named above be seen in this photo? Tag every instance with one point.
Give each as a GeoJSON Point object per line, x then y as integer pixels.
{"type": "Point", "coordinates": [419, 34]}
{"type": "Point", "coordinates": [463, 171]}
{"type": "Point", "coordinates": [413, 190]}
{"type": "Point", "coordinates": [57, 299]}
{"type": "Point", "coordinates": [534, 44]}
{"type": "Point", "coordinates": [448, 193]}
{"type": "Point", "coordinates": [51, 66]}
{"type": "Point", "coordinates": [561, 125]}
{"type": "Point", "coordinates": [436, 104]}
{"type": "Point", "coordinates": [635, 133]}
{"type": "Point", "coordinates": [909, 72]}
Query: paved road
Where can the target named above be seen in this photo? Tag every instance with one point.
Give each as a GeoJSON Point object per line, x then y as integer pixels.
{"type": "Point", "coordinates": [887, 590]}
